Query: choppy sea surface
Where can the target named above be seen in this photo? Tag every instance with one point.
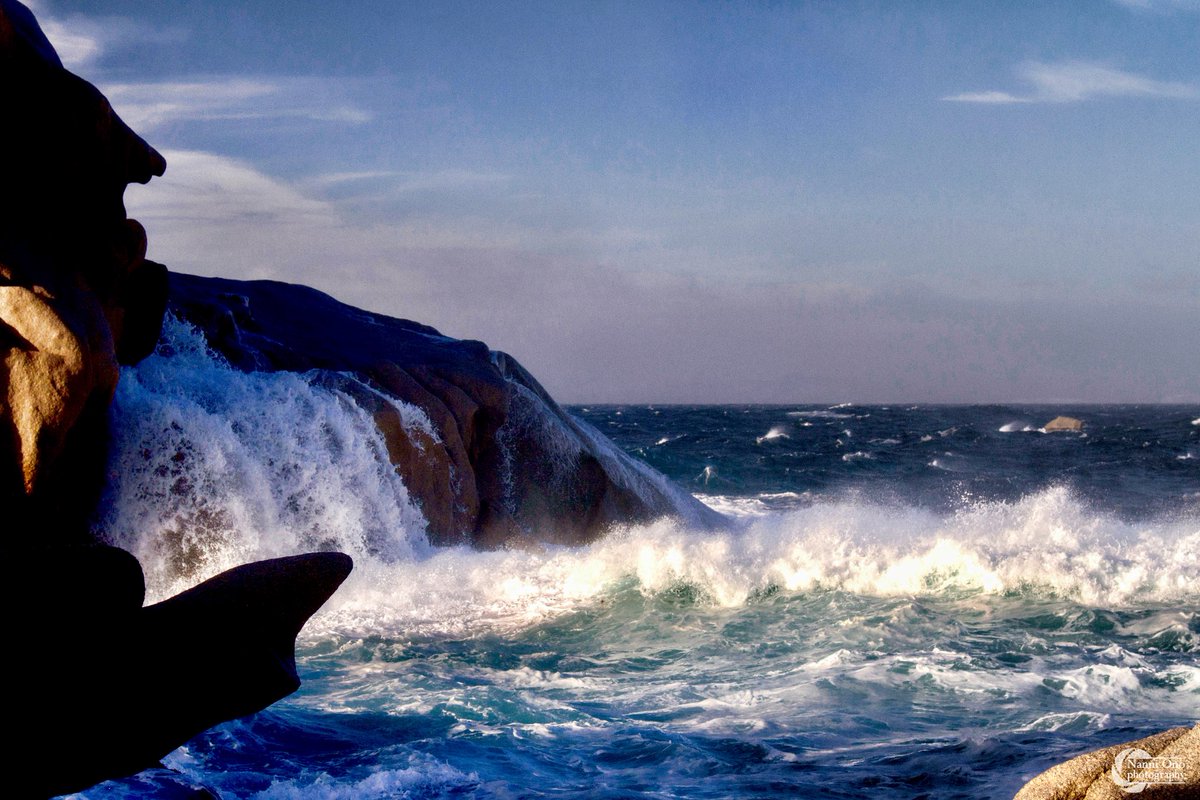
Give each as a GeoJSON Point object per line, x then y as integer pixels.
{"type": "Point", "coordinates": [909, 601]}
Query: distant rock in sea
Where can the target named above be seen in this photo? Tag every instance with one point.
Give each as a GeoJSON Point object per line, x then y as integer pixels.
{"type": "Point", "coordinates": [1063, 424]}
{"type": "Point", "coordinates": [501, 464]}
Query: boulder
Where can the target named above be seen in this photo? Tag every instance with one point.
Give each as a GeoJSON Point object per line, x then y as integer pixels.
{"type": "Point", "coordinates": [142, 681]}
{"type": "Point", "coordinates": [77, 295]}
{"type": "Point", "coordinates": [1121, 771]}
{"type": "Point", "coordinates": [1063, 424]}
{"type": "Point", "coordinates": [106, 687]}
{"type": "Point", "coordinates": [505, 464]}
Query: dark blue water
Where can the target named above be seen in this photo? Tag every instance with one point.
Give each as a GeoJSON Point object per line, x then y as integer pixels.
{"type": "Point", "coordinates": [909, 602]}
{"type": "Point", "coordinates": [1137, 462]}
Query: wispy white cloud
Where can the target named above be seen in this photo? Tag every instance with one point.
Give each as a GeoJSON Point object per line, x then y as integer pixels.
{"type": "Point", "coordinates": [77, 45]}
{"type": "Point", "coordinates": [81, 41]}
{"type": "Point", "coordinates": [993, 97]}
{"type": "Point", "coordinates": [146, 106]}
{"type": "Point", "coordinates": [207, 189]}
{"type": "Point", "coordinates": [405, 181]}
{"type": "Point", "coordinates": [1075, 81]}
{"type": "Point", "coordinates": [1162, 6]}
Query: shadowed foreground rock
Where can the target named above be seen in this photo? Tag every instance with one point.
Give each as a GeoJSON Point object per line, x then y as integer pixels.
{"type": "Point", "coordinates": [115, 692]}
{"type": "Point", "coordinates": [102, 687]}
{"type": "Point", "coordinates": [1095, 775]}
{"type": "Point", "coordinates": [77, 295]}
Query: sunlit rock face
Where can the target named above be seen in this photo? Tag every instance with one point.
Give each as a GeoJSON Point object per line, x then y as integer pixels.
{"type": "Point", "coordinates": [494, 462]}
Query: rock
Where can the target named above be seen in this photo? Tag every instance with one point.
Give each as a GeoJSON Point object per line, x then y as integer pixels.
{"type": "Point", "coordinates": [106, 687]}
{"type": "Point", "coordinates": [77, 296]}
{"type": "Point", "coordinates": [1063, 424]}
{"type": "Point", "coordinates": [505, 463]}
{"type": "Point", "coordinates": [157, 676]}
{"type": "Point", "coordinates": [1095, 775]}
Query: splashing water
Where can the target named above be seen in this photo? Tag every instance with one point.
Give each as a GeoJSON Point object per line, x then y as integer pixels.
{"type": "Point", "coordinates": [833, 641]}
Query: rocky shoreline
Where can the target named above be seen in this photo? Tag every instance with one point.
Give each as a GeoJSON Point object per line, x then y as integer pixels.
{"type": "Point", "coordinates": [122, 684]}
{"type": "Point", "coordinates": [501, 465]}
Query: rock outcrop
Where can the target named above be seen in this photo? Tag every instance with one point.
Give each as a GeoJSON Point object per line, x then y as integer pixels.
{"type": "Point", "coordinates": [105, 686]}
{"type": "Point", "coordinates": [1165, 765]}
{"type": "Point", "coordinates": [140, 682]}
{"type": "Point", "coordinates": [77, 295]}
{"type": "Point", "coordinates": [503, 464]}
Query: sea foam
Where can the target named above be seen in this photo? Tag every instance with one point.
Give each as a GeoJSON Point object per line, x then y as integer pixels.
{"type": "Point", "coordinates": [213, 467]}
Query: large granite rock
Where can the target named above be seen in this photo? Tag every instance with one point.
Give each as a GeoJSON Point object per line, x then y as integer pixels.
{"type": "Point", "coordinates": [1165, 765]}
{"type": "Point", "coordinates": [104, 686]}
{"type": "Point", "coordinates": [504, 464]}
{"type": "Point", "coordinates": [77, 295]}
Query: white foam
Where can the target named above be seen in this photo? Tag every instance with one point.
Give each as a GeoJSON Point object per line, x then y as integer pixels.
{"type": "Point", "coordinates": [1046, 544]}
{"type": "Point", "coordinates": [424, 777]}
{"type": "Point", "coordinates": [820, 414]}
{"type": "Point", "coordinates": [777, 432]}
{"type": "Point", "coordinates": [213, 467]}
{"type": "Point", "coordinates": [1074, 720]}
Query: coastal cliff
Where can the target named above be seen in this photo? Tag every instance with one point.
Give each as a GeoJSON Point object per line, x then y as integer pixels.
{"type": "Point", "coordinates": [110, 685]}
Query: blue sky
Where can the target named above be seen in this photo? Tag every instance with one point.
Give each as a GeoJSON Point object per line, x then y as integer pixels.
{"type": "Point", "coordinates": [696, 202]}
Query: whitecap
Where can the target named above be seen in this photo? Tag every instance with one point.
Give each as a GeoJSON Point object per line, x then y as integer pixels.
{"type": "Point", "coordinates": [820, 414]}
{"type": "Point", "coordinates": [777, 432]}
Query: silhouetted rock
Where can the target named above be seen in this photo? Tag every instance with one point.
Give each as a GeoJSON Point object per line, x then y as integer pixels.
{"type": "Point", "coordinates": [505, 463]}
{"type": "Point", "coordinates": [76, 293]}
{"type": "Point", "coordinates": [142, 682]}
{"type": "Point", "coordinates": [104, 687]}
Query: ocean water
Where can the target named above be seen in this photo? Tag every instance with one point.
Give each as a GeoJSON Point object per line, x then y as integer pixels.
{"type": "Point", "coordinates": [908, 601]}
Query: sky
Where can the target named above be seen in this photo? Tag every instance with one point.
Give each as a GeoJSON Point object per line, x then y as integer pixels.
{"type": "Point", "coordinates": [690, 201]}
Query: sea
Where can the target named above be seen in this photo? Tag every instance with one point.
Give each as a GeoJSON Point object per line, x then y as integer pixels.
{"type": "Point", "coordinates": [908, 601]}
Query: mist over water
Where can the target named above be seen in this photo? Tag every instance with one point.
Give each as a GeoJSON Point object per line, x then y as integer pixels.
{"type": "Point", "coordinates": [866, 626]}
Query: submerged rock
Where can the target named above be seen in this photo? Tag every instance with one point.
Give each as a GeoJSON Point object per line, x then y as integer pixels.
{"type": "Point", "coordinates": [1165, 765]}
{"type": "Point", "coordinates": [1063, 424]}
{"type": "Point", "coordinates": [500, 462]}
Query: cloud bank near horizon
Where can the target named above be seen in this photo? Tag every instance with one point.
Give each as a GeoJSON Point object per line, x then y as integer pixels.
{"type": "Point", "coordinates": [594, 333]}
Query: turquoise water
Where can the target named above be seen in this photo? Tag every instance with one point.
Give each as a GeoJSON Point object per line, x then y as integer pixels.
{"type": "Point", "coordinates": [907, 602]}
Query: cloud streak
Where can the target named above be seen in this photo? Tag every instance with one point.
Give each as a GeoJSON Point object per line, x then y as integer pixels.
{"type": "Point", "coordinates": [149, 106]}
{"type": "Point", "coordinates": [1160, 6]}
{"type": "Point", "coordinates": [82, 41]}
{"type": "Point", "coordinates": [1076, 81]}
